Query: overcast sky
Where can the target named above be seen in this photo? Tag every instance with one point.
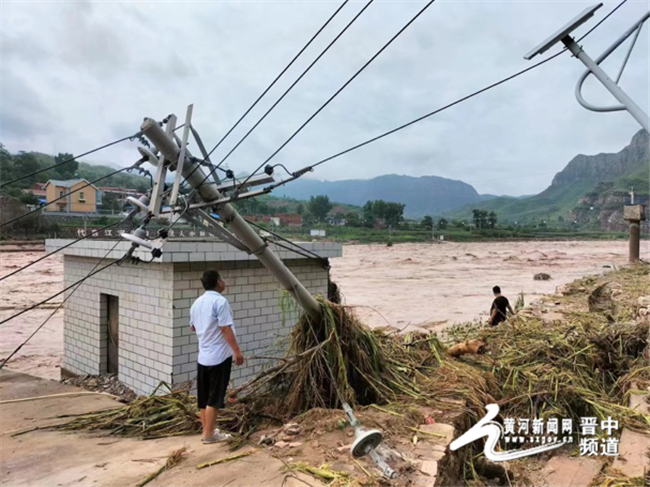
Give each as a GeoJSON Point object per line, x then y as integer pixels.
{"type": "Point", "coordinates": [78, 74]}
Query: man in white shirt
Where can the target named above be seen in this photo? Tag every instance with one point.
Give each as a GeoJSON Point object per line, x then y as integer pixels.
{"type": "Point", "coordinates": [211, 319]}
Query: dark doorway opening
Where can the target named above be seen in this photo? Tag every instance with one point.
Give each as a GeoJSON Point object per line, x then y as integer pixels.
{"type": "Point", "coordinates": [112, 306]}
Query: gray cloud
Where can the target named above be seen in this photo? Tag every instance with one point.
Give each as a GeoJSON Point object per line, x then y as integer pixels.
{"type": "Point", "coordinates": [77, 75]}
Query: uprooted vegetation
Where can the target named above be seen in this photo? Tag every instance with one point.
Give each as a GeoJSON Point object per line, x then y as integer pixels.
{"type": "Point", "coordinates": [584, 364]}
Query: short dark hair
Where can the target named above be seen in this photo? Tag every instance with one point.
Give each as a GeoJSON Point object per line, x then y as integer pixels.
{"type": "Point", "coordinates": [496, 290]}
{"type": "Point", "coordinates": [210, 279]}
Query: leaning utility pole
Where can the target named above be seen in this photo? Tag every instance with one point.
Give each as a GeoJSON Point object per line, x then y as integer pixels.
{"type": "Point", "coordinates": [168, 147]}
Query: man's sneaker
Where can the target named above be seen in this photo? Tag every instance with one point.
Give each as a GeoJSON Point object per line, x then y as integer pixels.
{"type": "Point", "coordinates": [216, 437]}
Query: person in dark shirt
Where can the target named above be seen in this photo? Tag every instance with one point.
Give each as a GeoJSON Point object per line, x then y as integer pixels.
{"type": "Point", "coordinates": [500, 306]}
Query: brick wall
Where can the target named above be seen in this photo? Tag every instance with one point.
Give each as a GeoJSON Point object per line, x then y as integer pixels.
{"type": "Point", "coordinates": [254, 297]}
{"type": "Point", "coordinates": [145, 313]}
{"type": "Point", "coordinates": [155, 341]}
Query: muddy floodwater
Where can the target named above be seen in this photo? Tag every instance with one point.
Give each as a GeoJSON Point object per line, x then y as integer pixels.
{"type": "Point", "coordinates": [405, 286]}
{"type": "Point", "coordinates": [409, 285]}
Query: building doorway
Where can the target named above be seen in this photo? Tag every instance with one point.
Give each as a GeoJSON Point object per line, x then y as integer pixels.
{"type": "Point", "coordinates": [112, 327]}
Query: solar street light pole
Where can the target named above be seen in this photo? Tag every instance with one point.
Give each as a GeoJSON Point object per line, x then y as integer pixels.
{"type": "Point", "coordinates": [593, 67]}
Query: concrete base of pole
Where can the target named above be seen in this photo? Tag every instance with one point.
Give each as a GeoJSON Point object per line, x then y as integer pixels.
{"type": "Point", "coordinates": [635, 239]}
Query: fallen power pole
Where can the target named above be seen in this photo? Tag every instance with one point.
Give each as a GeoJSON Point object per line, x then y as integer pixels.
{"type": "Point", "coordinates": [207, 190]}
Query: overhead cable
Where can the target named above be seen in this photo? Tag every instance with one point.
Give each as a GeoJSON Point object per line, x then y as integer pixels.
{"type": "Point", "coordinates": [130, 137]}
{"type": "Point", "coordinates": [383, 48]}
{"type": "Point", "coordinates": [91, 274]}
{"type": "Point", "coordinates": [17, 349]}
{"type": "Point", "coordinates": [456, 102]}
{"type": "Point", "coordinates": [94, 232]}
{"type": "Point", "coordinates": [287, 91]}
{"type": "Point", "coordinates": [3, 224]}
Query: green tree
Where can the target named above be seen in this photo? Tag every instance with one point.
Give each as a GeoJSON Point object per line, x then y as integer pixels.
{"type": "Point", "coordinates": [6, 165]}
{"type": "Point", "coordinates": [480, 218]}
{"type": "Point", "coordinates": [427, 223]}
{"type": "Point", "coordinates": [28, 198]}
{"type": "Point", "coordinates": [352, 219]}
{"type": "Point", "coordinates": [319, 206]}
{"type": "Point", "coordinates": [67, 170]}
{"type": "Point", "coordinates": [26, 163]}
{"type": "Point", "coordinates": [300, 209]}
{"type": "Point", "coordinates": [443, 224]}
{"type": "Point", "coordinates": [394, 214]}
{"type": "Point", "coordinates": [368, 215]}
{"type": "Point", "coordinates": [492, 219]}
{"type": "Point", "coordinates": [308, 218]}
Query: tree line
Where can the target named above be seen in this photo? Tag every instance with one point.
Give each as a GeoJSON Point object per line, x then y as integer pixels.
{"type": "Point", "coordinates": [13, 166]}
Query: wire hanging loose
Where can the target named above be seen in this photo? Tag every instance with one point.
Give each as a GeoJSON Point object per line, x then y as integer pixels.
{"type": "Point", "coordinates": [130, 137]}
{"type": "Point", "coordinates": [3, 224]}
{"type": "Point", "coordinates": [383, 48]}
{"type": "Point", "coordinates": [306, 169]}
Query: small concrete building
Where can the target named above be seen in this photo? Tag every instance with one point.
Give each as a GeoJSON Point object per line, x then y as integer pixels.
{"type": "Point", "coordinates": [134, 319]}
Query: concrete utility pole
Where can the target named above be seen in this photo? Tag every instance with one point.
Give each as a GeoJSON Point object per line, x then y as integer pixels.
{"type": "Point", "coordinates": [634, 214]}
{"type": "Point", "coordinates": [209, 192]}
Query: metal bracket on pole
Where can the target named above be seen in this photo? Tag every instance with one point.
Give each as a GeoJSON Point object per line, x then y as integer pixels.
{"type": "Point", "coordinates": [221, 201]}
{"type": "Point", "coordinates": [181, 156]}
{"type": "Point", "coordinates": [158, 187]}
{"type": "Point", "coordinates": [564, 35]}
{"type": "Point", "coordinates": [171, 125]}
{"type": "Point", "coordinates": [205, 155]}
{"type": "Point", "coordinates": [195, 177]}
{"type": "Point", "coordinates": [635, 29]}
{"type": "Point", "coordinates": [252, 181]}
{"type": "Point", "coordinates": [217, 230]}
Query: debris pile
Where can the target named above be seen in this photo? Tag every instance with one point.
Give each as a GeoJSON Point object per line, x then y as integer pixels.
{"type": "Point", "coordinates": [103, 383]}
{"type": "Point", "coordinates": [146, 417]}
{"type": "Point", "coordinates": [582, 365]}
{"type": "Point", "coordinates": [334, 359]}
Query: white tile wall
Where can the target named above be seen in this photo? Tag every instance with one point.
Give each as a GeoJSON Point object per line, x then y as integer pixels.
{"type": "Point", "coordinates": [155, 340]}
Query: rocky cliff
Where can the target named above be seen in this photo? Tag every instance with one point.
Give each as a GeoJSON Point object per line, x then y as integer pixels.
{"type": "Point", "coordinates": [606, 167]}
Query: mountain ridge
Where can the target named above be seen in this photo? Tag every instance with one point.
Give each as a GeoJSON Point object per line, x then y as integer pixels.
{"type": "Point", "coordinates": [590, 191]}
{"type": "Point", "coordinates": [424, 195]}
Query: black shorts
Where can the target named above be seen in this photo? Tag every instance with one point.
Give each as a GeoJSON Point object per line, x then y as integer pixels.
{"type": "Point", "coordinates": [211, 384]}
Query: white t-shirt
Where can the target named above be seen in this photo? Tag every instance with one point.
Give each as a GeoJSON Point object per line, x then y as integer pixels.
{"type": "Point", "coordinates": [208, 314]}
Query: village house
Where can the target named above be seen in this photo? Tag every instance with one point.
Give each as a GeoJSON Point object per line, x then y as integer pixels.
{"type": "Point", "coordinates": [278, 219]}
{"type": "Point", "coordinates": [85, 200]}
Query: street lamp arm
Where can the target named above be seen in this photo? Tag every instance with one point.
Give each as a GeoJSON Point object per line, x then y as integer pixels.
{"type": "Point", "coordinates": [613, 108]}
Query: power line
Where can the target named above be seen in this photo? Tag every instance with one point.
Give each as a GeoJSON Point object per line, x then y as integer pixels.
{"type": "Point", "coordinates": [91, 274]}
{"type": "Point", "coordinates": [339, 91]}
{"type": "Point", "coordinates": [354, 19]}
{"type": "Point", "coordinates": [458, 101]}
{"type": "Point", "coordinates": [4, 362]}
{"type": "Point", "coordinates": [279, 75]}
{"type": "Point", "coordinates": [3, 224]}
{"type": "Point", "coordinates": [305, 252]}
{"type": "Point", "coordinates": [130, 137]}
{"type": "Point", "coordinates": [207, 157]}
{"type": "Point", "coordinates": [60, 249]}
